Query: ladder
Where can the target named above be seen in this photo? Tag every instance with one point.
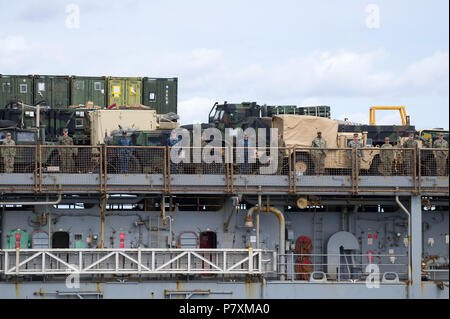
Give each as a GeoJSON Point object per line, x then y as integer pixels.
{"type": "Point", "coordinates": [154, 227]}
{"type": "Point", "coordinates": [317, 244]}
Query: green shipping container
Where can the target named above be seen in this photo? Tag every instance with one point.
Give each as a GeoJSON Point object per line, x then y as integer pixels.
{"type": "Point", "coordinates": [54, 90]}
{"type": "Point", "coordinates": [84, 89]}
{"type": "Point", "coordinates": [16, 86]}
{"type": "Point", "coordinates": [160, 94]}
{"type": "Point", "coordinates": [124, 91]}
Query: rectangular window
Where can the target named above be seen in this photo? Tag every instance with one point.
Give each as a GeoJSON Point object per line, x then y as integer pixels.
{"type": "Point", "coordinates": [78, 123]}
{"type": "Point", "coordinates": [97, 86]}
{"type": "Point", "coordinates": [152, 96]}
{"type": "Point", "coordinates": [23, 88]}
{"type": "Point", "coordinates": [79, 85]}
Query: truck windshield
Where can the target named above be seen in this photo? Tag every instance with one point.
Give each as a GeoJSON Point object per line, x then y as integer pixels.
{"type": "Point", "coordinates": [25, 137]}
{"type": "Point", "coordinates": [218, 115]}
{"type": "Point", "coordinates": [154, 141]}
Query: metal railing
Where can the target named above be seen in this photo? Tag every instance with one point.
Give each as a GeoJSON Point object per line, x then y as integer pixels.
{"type": "Point", "coordinates": [343, 267]}
{"type": "Point", "coordinates": [136, 261]}
{"type": "Point", "coordinates": [107, 168]}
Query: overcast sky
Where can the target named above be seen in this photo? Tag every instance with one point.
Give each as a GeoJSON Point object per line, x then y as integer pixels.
{"type": "Point", "coordinates": [349, 55]}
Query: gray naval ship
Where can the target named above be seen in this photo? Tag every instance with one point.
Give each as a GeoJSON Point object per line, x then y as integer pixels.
{"type": "Point", "coordinates": [109, 221]}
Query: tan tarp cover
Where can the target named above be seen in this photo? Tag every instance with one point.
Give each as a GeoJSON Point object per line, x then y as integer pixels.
{"type": "Point", "coordinates": [300, 130]}
{"type": "Point", "coordinates": [109, 120]}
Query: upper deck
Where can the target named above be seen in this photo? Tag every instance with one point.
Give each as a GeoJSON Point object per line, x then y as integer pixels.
{"type": "Point", "coordinates": [113, 169]}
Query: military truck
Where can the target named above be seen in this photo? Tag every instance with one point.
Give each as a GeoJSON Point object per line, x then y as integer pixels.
{"type": "Point", "coordinates": [249, 114]}
{"type": "Point", "coordinates": [154, 131]}
{"type": "Point", "coordinates": [300, 130]}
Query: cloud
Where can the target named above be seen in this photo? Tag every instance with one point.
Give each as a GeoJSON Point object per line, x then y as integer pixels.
{"type": "Point", "coordinates": [195, 110]}
{"type": "Point", "coordinates": [41, 11]}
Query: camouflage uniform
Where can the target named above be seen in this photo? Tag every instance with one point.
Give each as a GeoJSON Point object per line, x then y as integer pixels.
{"type": "Point", "coordinates": [441, 156]}
{"type": "Point", "coordinates": [409, 155]}
{"type": "Point", "coordinates": [66, 153]}
{"type": "Point", "coordinates": [386, 158]}
{"type": "Point", "coordinates": [353, 144]}
{"type": "Point", "coordinates": [281, 154]}
{"type": "Point", "coordinates": [8, 154]}
{"type": "Point", "coordinates": [318, 156]}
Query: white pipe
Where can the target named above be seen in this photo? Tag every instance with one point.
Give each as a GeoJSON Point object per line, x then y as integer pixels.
{"type": "Point", "coordinates": [397, 200]}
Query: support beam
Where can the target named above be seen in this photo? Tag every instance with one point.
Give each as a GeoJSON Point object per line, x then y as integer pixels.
{"type": "Point", "coordinates": [416, 247]}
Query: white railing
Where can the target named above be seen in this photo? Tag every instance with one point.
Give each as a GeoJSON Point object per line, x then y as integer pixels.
{"type": "Point", "coordinates": [136, 261]}
{"type": "Point", "coordinates": [389, 268]}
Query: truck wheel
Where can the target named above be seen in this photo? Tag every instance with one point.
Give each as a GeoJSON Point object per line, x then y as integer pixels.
{"type": "Point", "coordinates": [303, 164]}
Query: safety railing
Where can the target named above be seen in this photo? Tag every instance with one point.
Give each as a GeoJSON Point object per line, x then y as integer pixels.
{"type": "Point", "coordinates": [21, 161]}
{"type": "Point", "coordinates": [131, 168]}
{"type": "Point", "coordinates": [333, 165]}
{"type": "Point", "coordinates": [137, 261]}
{"type": "Point", "coordinates": [70, 167]}
{"type": "Point", "coordinates": [250, 168]}
{"type": "Point", "coordinates": [386, 162]}
{"type": "Point", "coordinates": [166, 169]}
{"type": "Point", "coordinates": [389, 268]}
{"type": "Point", "coordinates": [433, 170]}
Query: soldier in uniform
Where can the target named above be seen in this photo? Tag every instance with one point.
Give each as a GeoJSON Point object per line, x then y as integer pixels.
{"type": "Point", "coordinates": [281, 153]}
{"type": "Point", "coordinates": [386, 157]}
{"type": "Point", "coordinates": [318, 156]}
{"type": "Point", "coordinates": [65, 154]}
{"type": "Point", "coordinates": [124, 153]}
{"type": "Point", "coordinates": [440, 155]}
{"type": "Point", "coordinates": [8, 154]}
{"type": "Point", "coordinates": [409, 155]}
{"type": "Point", "coordinates": [355, 143]}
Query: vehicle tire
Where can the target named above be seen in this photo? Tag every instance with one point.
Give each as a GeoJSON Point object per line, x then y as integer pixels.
{"type": "Point", "coordinates": [303, 164]}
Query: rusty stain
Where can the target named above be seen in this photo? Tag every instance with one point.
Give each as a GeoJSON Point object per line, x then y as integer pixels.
{"type": "Point", "coordinates": [98, 287]}
{"type": "Point", "coordinates": [17, 289]}
{"type": "Point", "coordinates": [249, 290]}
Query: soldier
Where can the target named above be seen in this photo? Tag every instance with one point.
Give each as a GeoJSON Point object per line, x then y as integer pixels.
{"type": "Point", "coordinates": [355, 143]}
{"type": "Point", "coordinates": [124, 153]}
{"type": "Point", "coordinates": [440, 155]}
{"type": "Point", "coordinates": [386, 157]}
{"type": "Point", "coordinates": [409, 154]}
{"type": "Point", "coordinates": [65, 154]}
{"type": "Point", "coordinates": [318, 156]}
{"type": "Point", "coordinates": [281, 153]}
{"type": "Point", "coordinates": [8, 154]}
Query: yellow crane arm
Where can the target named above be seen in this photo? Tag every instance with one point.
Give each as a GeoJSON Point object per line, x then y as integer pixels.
{"type": "Point", "coordinates": [401, 109]}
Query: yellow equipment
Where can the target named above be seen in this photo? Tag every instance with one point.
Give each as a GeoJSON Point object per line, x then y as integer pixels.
{"type": "Point", "coordinates": [401, 109]}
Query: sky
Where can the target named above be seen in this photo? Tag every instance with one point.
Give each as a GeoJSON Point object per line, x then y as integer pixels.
{"type": "Point", "coordinates": [349, 54]}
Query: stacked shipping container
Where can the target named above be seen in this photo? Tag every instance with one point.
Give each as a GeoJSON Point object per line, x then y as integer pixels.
{"type": "Point", "coordinates": [58, 92]}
